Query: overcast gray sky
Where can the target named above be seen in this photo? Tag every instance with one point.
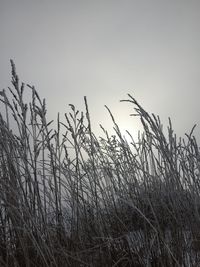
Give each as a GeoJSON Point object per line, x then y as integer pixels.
{"type": "Point", "coordinates": [104, 50]}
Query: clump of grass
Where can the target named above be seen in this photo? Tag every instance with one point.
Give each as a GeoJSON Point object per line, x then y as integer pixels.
{"type": "Point", "coordinates": [68, 198]}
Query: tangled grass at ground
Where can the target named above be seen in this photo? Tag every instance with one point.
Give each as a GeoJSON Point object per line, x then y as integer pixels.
{"type": "Point", "coordinates": [68, 198]}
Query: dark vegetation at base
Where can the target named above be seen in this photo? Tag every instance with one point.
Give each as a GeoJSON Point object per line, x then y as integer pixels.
{"type": "Point", "coordinates": [68, 198]}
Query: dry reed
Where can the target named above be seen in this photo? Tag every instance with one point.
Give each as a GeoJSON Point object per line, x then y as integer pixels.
{"type": "Point", "coordinates": [68, 198]}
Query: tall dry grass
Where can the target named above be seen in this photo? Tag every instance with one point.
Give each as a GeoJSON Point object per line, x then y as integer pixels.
{"type": "Point", "coordinates": [68, 198]}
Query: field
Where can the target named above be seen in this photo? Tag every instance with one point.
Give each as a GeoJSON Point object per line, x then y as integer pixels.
{"type": "Point", "coordinates": [68, 198]}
